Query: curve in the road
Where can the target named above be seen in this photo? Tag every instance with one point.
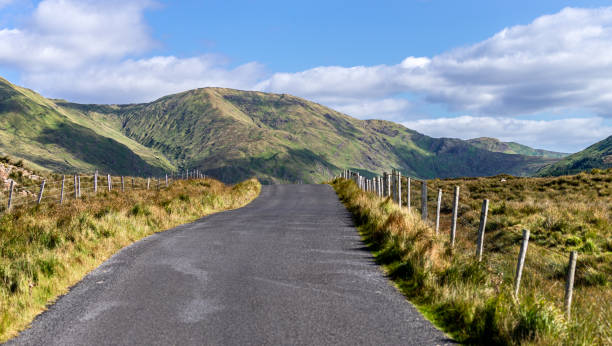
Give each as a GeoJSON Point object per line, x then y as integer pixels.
{"type": "Point", "coordinates": [287, 269]}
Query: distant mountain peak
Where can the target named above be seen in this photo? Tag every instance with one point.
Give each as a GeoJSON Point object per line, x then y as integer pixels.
{"type": "Point", "coordinates": [495, 145]}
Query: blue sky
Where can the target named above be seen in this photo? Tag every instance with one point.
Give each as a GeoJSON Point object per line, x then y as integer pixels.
{"type": "Point", "coordinates": [292, 36]}
{"type": "Point", "coordinates": [535, 72]}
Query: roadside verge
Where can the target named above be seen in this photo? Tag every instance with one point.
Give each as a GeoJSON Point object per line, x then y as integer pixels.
{"type": "Point", "coordinates": [46, 249]}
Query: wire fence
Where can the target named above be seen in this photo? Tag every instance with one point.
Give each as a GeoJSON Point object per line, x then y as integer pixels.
{"type": "Point", "coordinates": [77, 186]}
{"type": "Point", "coordinates": [414, 193]}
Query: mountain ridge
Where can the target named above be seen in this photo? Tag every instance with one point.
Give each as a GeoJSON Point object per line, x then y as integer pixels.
{"type": "Point", "coordinates": [596, 156]}
{"type": "Point", "coordinates": [235, 134]}
{"type": "Point", "coordinates": [494, 144]}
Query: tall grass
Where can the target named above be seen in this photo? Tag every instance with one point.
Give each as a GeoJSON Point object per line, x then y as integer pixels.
{"type": "Point", "coordinates": [472, 300]}
{"type": "Point", "coordinates": [46, 249]}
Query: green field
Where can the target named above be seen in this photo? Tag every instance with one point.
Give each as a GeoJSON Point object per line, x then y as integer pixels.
{"type": "Point", "coordinates": [472, 300]}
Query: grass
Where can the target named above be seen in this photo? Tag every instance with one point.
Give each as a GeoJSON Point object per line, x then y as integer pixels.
{"type": "Point", "coordinates": [473, 301]}
{"type": "Point", "coordinates": [46, 249]}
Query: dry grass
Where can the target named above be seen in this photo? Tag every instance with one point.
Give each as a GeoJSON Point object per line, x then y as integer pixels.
{"type": "Point", "coordinates": [473, 300]}
{"type": "Point", "coordinates": [46, 249]}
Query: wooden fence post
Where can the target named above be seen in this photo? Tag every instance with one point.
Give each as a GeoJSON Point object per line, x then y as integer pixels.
{"type": "Point", "coordinates": [454, 217]}
{"type": "Point", "coordinates": [166, 180]}
{"type": "Point", "coordinates": [393, 188]}
{"type": "Point", "coordinates": [481, 228]}
{"type": "Point", "coordinates": [122, 185]}
{"type": "Point", "coordinates": [108, 180]}
{"type": "Point", "coordinates": [40, 193]}
{"type": "Point", "coordinates": [384, 185]}
{"type": "Point", "coordinates": [76, 187]}
{"type": "Point", "coordinates": [10, 201]}
{"type": "Point", "coordinates": [521, 262]}
{"type": "Point", "coordinates": [96, 181]}
{"type": "Point", "coordinates": [79, 184]}
{"type": "Point", "coordinates": [375, 182]}
{"type": "Point", "coordinates": [569, 285]}
{"type": "Point", "coordinates": [439, 202]}
{"type": "Point", "coordinates": [148, 182]}
{"type": "Point", "coordinates": [408, 187]}
{"type": "Point", "coordinates": [376, 190]}
{"type": "Point", "coordinates": [375, 185]}
{"type": "Point", "coordinates": [132, 183]}
{"type": "Point", "coordinates": [62, 192]}
{"type": "Point", "coordinates": [424, 201]}
{"type": "Point", "coordinates": [399, 189]}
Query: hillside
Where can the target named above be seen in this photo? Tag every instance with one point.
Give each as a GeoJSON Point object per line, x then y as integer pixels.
{"type": "Point", "coordinates": [598, 155]}
{"type": "Point", "coordinates": [232, 135]}
{"type": "Point", "coordinates": [494, 144]}
{"type": "Point", "coordinates": [236, 134]}
{"type": "Point", "coordinates": [50, 137]}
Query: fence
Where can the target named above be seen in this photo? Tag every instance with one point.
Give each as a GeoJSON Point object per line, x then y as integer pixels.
{"type": "Point", "coordinates": [78, 185]}
{"type": "Point", "coordinates": [389, 185]}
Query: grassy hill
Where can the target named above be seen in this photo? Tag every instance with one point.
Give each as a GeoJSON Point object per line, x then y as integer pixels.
{"type": "Point", "coordinates": [235, 134]}
{"type": "Point", "coordinates": [598, 155]}
{"type": "Point", "coordinates": [51, 137]}
{"type": "Point", "coordinates": [232, 135]}
{"type": "Point", "coordinates": [494, 144]}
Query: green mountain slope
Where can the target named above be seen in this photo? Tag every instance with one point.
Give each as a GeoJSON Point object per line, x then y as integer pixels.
{"type": "Point", "coordinates": [598, 155]}
{"type": "Point", "coordinates": [235, 134]}
{"type": "Point", "coordinates": [48, 136]}
{"type": "Point", "coordinates": [232, 135]}
{"type": "Point", "coordinates": [494, 144]}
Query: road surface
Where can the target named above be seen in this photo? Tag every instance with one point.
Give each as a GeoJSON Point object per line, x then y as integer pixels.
{"type": "Point", "coordinates": [287, 269]}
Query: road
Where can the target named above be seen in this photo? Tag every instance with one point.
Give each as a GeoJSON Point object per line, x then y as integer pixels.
{"type": "Point", "coordinates": [287, 269]}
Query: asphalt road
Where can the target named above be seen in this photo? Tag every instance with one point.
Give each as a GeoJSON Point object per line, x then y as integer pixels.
{"type": "Point", "coordinates": [288, 269]}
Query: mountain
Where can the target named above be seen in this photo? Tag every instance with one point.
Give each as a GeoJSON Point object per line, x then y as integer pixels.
{"type": "Point", "coordinates": [49, 136]}
{"type": "Point", "coordinates": [235, 134]}
{"type": "Point", "coordinates": [232, 135]}
{"type": "Point", "coordinates": [494, 144]}
{"type": "Point", "coordinates": [598, 155]}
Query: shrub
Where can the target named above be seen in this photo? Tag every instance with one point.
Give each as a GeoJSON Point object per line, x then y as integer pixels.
{"type": "Point", "coordinates": [139, 209]}
{"type": "Point", "coordinates": [538, 317]}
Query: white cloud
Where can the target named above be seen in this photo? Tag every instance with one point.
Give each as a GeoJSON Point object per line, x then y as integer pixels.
{"type": "Point", "coordinates": [557, 62]}
{"type": "Point", "coordinates": [388, 109]}
{"type": "Point", "coordinates": [565, 135]}
{"type": "Point", "coordinates": [144, 80]}
{"type": "Point", "coordinates": [67, 34]}
{"type": "Point", "coordinates": [358, 81]}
